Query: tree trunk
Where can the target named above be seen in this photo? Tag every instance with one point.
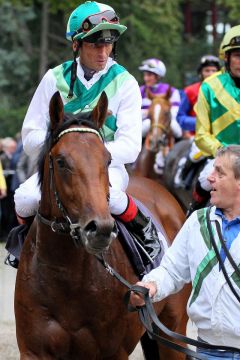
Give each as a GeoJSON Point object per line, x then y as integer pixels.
{"type": "Point", "coordinates": [43, 63]}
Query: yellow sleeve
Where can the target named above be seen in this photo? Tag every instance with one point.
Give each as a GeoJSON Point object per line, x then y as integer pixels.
{"type": "Point", "coordinates": [3, 184]}
{"type": "Point", "coordinates": [204, 138]}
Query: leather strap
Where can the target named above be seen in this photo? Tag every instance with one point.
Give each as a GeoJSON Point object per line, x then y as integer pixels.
{"type": "Point", "coordinates": [218, 255]}
{"type": "Point", "coordinates": [152, 324]}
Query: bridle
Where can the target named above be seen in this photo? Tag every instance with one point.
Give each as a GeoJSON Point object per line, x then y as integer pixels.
{"type": "Point", "coordinates": [65, 226]}
{"type": "Point", "coordinates": [161, 140]}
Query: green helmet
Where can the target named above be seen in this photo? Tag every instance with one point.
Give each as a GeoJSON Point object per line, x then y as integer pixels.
{"type": "Point", "coordinates": [92, 17]}
{"type": "Point", "coordinates": [231, 40]}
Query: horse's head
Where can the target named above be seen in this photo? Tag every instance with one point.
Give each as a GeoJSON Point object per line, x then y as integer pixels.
{"type": "Point", "coordinates": [74, 176]}
{"type": "Point", "coordinates": [160, 116]}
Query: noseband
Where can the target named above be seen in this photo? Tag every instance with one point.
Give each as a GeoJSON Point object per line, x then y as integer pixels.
{"type": "Point", "coordinates": [66, 226]}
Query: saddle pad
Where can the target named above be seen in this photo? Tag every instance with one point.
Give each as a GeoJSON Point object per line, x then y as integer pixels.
{"type": "Point", "coordinates": [16, 239]}
{"type": "Point", "coordinates": [133, 249]}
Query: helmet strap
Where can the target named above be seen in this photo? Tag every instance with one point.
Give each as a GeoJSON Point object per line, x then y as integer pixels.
{"type": "Point", "coordinates": [227, 62]}
{"type": "Point", "coordinates": [114, 51]}
{"type": "Point", "coordinates": [73, 69]}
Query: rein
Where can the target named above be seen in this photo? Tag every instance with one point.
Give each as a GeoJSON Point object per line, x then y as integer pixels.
{"type": "Point", "coordinates": [66, 226]}
{"type": "Point", "coordinates": [152, 324]}
{"type": "Point", "coordinates": [160, 126]}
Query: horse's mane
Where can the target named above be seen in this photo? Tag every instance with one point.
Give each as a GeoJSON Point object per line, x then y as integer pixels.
{"type": "Point", "coordinates": [80, 119]}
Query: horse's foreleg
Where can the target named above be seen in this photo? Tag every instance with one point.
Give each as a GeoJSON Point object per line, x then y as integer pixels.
{"type": "Point", "coordinates": [121, 355]}
{"type": "Point", "coordinates": [30, 356]}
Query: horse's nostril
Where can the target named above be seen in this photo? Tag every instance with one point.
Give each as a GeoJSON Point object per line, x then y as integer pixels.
{"type": "Point", "coordinates": [100, 227]}
{"type": "Point", "coordinates": [91, 226]}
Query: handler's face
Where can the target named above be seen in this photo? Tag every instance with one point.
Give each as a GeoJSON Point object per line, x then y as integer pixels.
{"type": "Point", "coordinates": [225, 187]}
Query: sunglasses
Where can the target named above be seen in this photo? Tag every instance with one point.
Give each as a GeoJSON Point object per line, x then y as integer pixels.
{"type": "Point", "coordinates": [235, 41]}
{"type": "Point", "coordinates": [93, 20]}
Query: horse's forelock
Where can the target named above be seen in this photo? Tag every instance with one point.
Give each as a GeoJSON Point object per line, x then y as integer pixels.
{"type": "Point", "coordinates": [80, 119]}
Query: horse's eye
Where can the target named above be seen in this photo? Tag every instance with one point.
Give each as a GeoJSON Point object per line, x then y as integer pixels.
{"type": "Point", "coordinates": [61, 163]}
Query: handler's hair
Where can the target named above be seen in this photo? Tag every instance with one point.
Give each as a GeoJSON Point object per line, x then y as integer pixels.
{"type": "Point", "coordinates": [233, 151]}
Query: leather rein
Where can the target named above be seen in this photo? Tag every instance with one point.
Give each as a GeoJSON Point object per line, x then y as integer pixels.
{"type": "Point", "coordinates": [152, 324]}
{"type": "Point", "coordinates": [65, 226]}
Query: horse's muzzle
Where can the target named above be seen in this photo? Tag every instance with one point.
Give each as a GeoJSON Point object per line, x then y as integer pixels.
{"type": "Point", "coordinates": [97, 235]}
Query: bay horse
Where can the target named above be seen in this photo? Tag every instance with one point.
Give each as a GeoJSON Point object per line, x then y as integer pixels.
{"type": "Point", "coordinates": [159, 136]}
{"type": "Point", "coordinates": [67, 306]}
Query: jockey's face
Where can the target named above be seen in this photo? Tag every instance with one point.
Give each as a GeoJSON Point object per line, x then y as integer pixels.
{"type": "Point", "coordinates": [234, 63]}
{"type": "Point", "coordinates": [207, 71]}
{"type": "Point", "coordinates": [150, 78]}
{"type": "Point", "coordinates": [94, 56]}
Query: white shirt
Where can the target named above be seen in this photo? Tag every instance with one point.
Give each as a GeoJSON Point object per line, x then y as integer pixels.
{"type": "Point", "coordinates": [125, 103]}
{"type": "Point", "coordinates": [215, 311]}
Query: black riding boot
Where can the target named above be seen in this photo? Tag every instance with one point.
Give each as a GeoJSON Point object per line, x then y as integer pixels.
{"type": "Point", "coordinates": [200, 199]}
{"type": "Point", "coordinates": [145, 232]}
{"type": "Point", "coordinates": [186, 168]}
{"type": "Point", "coordinates": [15, 241]}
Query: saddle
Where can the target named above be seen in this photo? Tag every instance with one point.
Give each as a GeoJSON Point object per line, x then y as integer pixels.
{"type": "Point", "coordinates": [138, 256]}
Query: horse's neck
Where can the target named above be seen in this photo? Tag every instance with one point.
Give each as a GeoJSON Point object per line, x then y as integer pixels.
{"type": "Point", "coordinates": [57, 250]}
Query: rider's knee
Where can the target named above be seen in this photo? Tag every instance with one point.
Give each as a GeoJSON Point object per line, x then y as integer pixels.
{"type": "Point", "coordinates": [26, 203]}
{"type": "Point", "coordinates": [118, 201]}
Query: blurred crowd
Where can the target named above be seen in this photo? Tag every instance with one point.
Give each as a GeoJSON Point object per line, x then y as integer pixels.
{"type": "Point", "coordinates": [15, 168]}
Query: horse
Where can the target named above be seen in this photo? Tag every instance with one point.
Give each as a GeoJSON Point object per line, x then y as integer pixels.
{"type": "Point", "coordinates": [67, 306]}
{"type": "Point", "coordinates": [182, 193]}
{"type": "Point", "coordinates": [159, 137]}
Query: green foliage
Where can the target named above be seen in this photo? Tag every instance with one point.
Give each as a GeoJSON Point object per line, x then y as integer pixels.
{"type": "Point", "coordinates": [11, 120]}
{"type": "Point", "coordinates": [234, 9]}
{"type": "Point", "coordinates": [155, 29]}
{"type": "Point", "coordinates": [15, 53]}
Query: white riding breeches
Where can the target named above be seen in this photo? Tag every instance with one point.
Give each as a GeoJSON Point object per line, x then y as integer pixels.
{"type": "Point", "coordinates": [208, 168]}
{"type": "Point", "coordinates": [146, 125]}
{"type": "Point", "coordinates": [28, 195]}
{"type": "Point", "coordinates": [195, 153]}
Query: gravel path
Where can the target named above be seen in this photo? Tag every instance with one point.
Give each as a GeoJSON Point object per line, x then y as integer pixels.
{"type": "Point", "coordinates": [8, 343]}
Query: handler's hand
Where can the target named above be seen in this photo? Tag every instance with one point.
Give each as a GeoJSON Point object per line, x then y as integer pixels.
{"type": "Point", "coordinates": [136, 299]}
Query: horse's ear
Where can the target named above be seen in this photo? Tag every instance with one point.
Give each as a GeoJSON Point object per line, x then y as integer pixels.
{"type": "Point", "coordinates": [168, 92]}
{"type": "Point", "coordinates": [150, 95]}
{"type": "Point", "coordinates": [100, 111]}
{"type": "Point", "coordinates": [56, 111]}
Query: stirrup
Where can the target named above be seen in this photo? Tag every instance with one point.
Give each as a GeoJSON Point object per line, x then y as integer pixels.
{"type": "Point", "coordinates": [11, 261]}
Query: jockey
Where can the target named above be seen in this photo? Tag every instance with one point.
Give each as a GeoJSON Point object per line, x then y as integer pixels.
{"type": "Point", "coordinates": [186, 117]}
{"type": "Point", "coordinates": [93, 29]}
{"type": "Point", "coordinates": [153, 71]}
{"type": "Point", "coordinates": [217, 110]}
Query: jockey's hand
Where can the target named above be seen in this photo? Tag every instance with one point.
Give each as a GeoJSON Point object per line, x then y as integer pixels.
{"type": "Point", "coordinates": [3, 193]}
{"type": "Point", "coordinates": [144, 113]}
{"type": "Point", "coordinates": [136, 299]}
{"type": "Point", "coordinates": [176, 128]}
